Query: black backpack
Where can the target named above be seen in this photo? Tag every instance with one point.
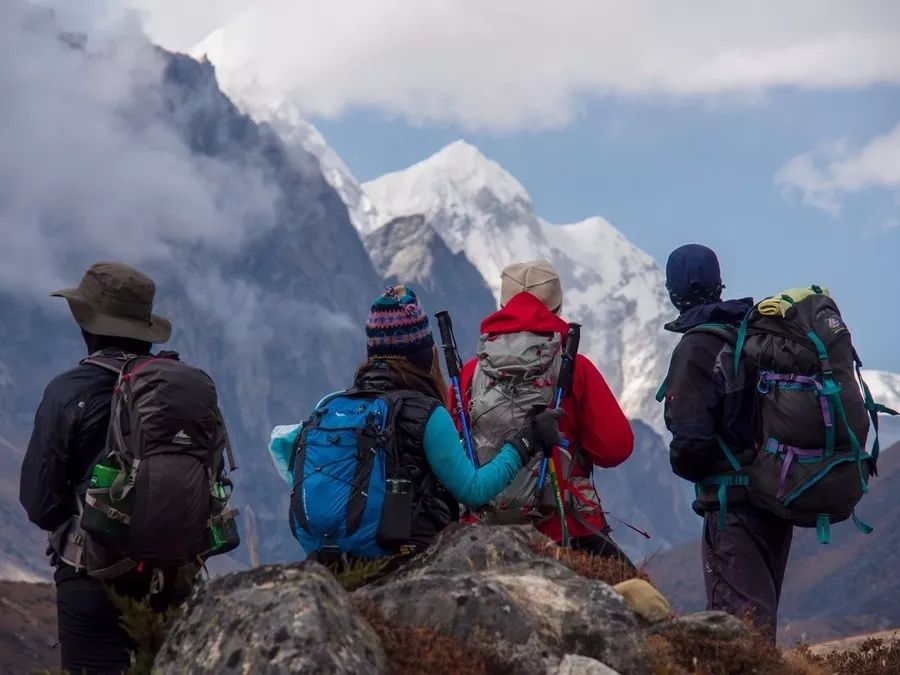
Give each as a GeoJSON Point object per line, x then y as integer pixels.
{"type": "Point", "coordinates": [812, 467]}
{"type": "Point", "coordinates": [158, 495]}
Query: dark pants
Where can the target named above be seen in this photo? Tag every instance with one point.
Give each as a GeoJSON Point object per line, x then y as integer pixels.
{"type": "Point", "coordinates": [91, 637]}
{"type": "Point", "coordinates": [744, 564]}
{"type": "Point", "coordinates": [92, 640]}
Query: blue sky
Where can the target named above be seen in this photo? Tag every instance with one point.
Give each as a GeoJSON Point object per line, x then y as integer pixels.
{"type": "Point", "coordinates": [667, 173]}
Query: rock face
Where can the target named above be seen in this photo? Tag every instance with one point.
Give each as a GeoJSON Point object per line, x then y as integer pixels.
{"type": "Point", "coordinates": [505, 607]}
{"type": "Point", "coordinates": [275, 619]}
{"type": "Point", "coordinates": [485, 586]}
{"type": "Point", "coordinates": [408, 250]}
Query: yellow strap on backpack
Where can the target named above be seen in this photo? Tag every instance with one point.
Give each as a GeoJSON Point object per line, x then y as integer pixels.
{"type": "Point", "coordinates": [778, 304]}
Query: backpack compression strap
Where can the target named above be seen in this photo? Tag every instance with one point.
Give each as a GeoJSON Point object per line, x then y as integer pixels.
{"type": "Point", "coordinates": [735, 478]}
{"type": "Point", "coordinates": [872, 407]}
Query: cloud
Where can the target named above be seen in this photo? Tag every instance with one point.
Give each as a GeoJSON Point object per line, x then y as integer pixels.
{"type": "Point", "coordinates": [94, 165]}
{"type": "Point", "coordinates": [89, 168]}
{"type": "Point", "coordinates": [825, 176]}
{"type": "Point", "coordinates": [514, 64]}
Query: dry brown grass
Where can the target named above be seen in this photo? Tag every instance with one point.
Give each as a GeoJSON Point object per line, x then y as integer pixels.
{"type": "Point", "coordinates": [610, 570]}
{"type": "Point", "coordinates": [677, 651]}
{"type": "Point", "coordinates": [412, 650]}
{"type": "Point", "coordinates": [874, 656]}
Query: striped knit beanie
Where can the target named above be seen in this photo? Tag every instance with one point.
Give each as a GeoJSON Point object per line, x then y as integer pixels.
{"type": "Point", "coordinates": [397, 328]}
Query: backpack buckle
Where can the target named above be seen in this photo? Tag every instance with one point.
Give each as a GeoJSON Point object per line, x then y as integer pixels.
{"type": "Point", "coordinates": [328, 554]}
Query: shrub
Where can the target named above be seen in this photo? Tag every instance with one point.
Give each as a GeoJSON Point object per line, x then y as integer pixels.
{"type": "Point", "coordinates": [416, 649]}
{"type": "Point", "coordinates": [610, 570]}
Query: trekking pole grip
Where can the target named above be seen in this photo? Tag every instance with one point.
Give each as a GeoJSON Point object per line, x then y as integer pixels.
{"type": "Point", "coordinates": [448, 343]}
{"type": "Point", "coordinates": [567, 369]}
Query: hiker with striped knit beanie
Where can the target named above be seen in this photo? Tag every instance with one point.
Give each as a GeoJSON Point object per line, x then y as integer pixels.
{"type": "Point", "coordinates": [341, 508]}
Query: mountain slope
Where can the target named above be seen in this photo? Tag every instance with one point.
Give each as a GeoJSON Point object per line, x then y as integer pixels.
{"type": "Point", "coordinates": [844, 588]}
{"type": "Point", "coordinates": [612, 287]}
{"type": "Point", "coordinates": [408, 250]}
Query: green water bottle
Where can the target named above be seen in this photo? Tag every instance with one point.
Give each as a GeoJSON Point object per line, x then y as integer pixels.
{"type": "Point", "coordinates": [103, 517]}
{"type": "Point", "coordinates": [103, 476]}
{"type": "Point", "coordinates": [223, 531]}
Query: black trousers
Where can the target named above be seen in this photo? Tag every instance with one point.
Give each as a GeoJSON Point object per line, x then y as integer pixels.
{"type": "Point", "coordinates": [91, 637]}
{"type": "Point", "coordinates": [744, 564]}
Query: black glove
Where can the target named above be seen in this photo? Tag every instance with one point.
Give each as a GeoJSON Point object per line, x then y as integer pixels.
{"type": "Point", "coordinates": [540, 436]}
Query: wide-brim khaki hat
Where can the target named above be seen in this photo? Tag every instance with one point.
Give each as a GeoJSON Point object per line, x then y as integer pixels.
{"type": "Point", "coordinates": [536, 277]}
{"type": "Point", "coordinates": [114, 299]}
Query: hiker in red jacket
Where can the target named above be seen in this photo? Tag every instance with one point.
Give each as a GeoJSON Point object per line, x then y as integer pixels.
{"type": "Point", "coordinates": [598, 432]}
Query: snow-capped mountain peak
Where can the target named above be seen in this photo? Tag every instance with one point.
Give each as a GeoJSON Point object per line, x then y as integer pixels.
{"type": "Point", "coordinates": [612, 287]}
{"type": "Point", "coordinates": [469, 172]}
{"type": "Point", "coordinates": [460, 181]}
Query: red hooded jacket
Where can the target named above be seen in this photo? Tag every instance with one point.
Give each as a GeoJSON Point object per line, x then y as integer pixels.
{"type": "Point", "coordinates": [592, 416]}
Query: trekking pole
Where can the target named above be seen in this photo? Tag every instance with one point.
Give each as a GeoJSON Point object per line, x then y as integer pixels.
{"type": "Point", "coordinates": [454, 363]}
{"type": "Point", "coordinates": [563, 386]}
{"type": "Point", "coordinates": [557, 497]}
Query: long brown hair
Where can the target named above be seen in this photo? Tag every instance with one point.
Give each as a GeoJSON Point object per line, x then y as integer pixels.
{"type": "Point", "coordinates": [405, 375]}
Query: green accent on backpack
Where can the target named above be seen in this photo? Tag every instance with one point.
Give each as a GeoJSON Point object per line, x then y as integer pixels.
{"type": "Point", "coordinates": [813, 400]}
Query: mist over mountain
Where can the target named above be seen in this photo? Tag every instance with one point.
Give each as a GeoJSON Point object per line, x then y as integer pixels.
{"type": "Point", "coordinates": [135, 154]}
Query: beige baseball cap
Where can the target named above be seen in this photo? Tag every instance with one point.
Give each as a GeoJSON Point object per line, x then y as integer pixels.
{"type": "Point", "coordinates": [536, 277]}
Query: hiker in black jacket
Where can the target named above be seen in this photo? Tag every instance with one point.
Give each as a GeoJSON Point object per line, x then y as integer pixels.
{"type": "Point", "coordinates": [112, 305]}
{"type": "Point", "coordinates": [710, 413]}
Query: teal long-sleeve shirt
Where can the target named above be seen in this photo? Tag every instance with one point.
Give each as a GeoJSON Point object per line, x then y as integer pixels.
{"type": "Point", "coordinates": [447, 458]}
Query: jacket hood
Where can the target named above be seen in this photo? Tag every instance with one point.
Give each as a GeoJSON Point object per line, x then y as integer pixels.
{"type": "Point", "coordinates": [524, 312]}
{"type": "Point", "coordinates": [726, 311]}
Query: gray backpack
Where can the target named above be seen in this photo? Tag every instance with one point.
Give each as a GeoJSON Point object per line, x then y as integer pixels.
{"type": "Point", "coordinates": [515, 373]}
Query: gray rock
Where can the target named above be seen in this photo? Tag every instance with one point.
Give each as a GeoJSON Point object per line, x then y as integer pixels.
{"type": "Point", "coordinates": [272, 620]}
{"type": "Point", "coordinates": [717, 625]}
{"type": "Point", "coordinates": [483, 585]}
{"type": "Point", "coordinates": [582, 665]}
{"type": "Point", "coordinates": [474, 548]}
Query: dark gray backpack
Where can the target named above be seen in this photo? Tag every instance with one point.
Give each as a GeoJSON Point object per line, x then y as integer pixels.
{"type": "Point", "coordinates": [156, 493]}
{"type": "Point", "coordinates": [812, 467]}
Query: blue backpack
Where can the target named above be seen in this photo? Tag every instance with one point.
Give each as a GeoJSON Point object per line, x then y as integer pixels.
{"type": "Point", "coordinates": [349, 495]}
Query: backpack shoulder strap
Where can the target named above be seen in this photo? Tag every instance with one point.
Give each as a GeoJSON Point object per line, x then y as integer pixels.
{"type": "Point", "coordinates": [727, 332]}
{"type": "Point", "coordinates": [113, 364]}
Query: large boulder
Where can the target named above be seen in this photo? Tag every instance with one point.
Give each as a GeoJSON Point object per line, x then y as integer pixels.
{"type": "Point", "coordinates": [274, 619]}
{"type": "Point", "coordinates": [485, 586]}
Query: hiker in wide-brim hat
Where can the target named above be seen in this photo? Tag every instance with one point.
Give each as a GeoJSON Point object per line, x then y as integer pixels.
{"type": "Point", "coordinates": [113, 305]}
{"type": "Point", "coordinates": [115, 299]}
